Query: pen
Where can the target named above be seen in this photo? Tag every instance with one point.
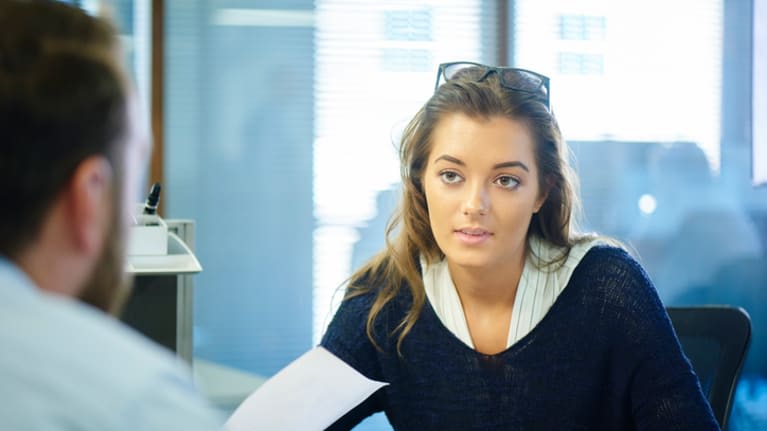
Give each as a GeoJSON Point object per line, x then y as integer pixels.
{"type": "Point", "coordinates": [150, 207]}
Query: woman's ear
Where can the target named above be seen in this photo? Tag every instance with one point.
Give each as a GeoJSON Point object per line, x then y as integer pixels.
{"type": "Point", "coordinates": [543, 194]}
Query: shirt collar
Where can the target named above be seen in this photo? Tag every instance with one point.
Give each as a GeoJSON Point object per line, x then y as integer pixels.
{"type": "Point", "coordinates": [13, 278]}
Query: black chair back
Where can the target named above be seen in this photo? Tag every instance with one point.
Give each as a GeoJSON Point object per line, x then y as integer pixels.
{"type": "Point", "coordinates": [715, 340]}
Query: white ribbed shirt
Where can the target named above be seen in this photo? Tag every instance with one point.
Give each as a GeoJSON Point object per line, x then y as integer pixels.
{"type": "Point", "coordinates": [538, 289]}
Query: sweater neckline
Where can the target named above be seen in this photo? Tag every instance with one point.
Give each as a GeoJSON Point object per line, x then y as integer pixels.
{"type": "Point", "coordinates": [520, 344]}
{"type": "Point", "coordinates": [537, 289]}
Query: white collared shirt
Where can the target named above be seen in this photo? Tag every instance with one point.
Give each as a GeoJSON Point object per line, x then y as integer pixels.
{"type": "Point", "coordinates": [67, 366]}
{"type": "Point", "coordinates": [538, 289]}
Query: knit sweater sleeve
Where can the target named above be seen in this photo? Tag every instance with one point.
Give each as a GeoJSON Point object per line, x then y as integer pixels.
{"type": "Point", "coordinates": [664, 391]}
{"type": "Point", "coordinates": [346, 338]}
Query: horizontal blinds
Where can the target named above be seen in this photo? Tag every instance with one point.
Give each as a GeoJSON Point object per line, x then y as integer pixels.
{"type": "Point", "coordinates": [628, 70]}
{"type": "Point", "coordinates": [375, 65]}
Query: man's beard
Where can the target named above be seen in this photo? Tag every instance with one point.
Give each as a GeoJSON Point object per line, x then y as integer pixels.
{"type": "Point", "coordinates": [108, 286]}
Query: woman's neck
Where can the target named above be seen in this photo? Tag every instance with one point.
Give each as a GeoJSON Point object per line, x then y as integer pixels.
{"type": "Point", "coordinates": [488, 288]}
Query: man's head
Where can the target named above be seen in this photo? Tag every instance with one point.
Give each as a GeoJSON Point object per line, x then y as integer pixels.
{"type": "Point", "coordinates": [68, 148]}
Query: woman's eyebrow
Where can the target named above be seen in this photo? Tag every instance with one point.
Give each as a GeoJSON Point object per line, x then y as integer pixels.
{"type": "Point", "coordinates": [449, 159]}
{"type": "Point", "coordinates": [512, 164]}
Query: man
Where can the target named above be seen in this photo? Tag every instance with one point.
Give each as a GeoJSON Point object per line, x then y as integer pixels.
{"type": "Point", "coordinates": [71, 152]}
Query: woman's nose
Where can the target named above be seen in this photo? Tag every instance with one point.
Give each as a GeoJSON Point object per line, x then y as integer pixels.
{"type": "Point", "coordinates": [477, 201]}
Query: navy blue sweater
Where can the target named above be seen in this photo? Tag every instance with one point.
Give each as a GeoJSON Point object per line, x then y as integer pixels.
{"type": "Point", "coordinates": [605, 357]}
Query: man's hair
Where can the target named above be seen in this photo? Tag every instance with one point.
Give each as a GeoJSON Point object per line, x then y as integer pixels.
{"type": "Point", "coordinates": [62, 100]}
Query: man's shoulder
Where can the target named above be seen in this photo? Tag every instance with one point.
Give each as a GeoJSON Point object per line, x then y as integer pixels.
{"type": "Point", "coordinates": [67, 327]}
{"type": "Point", "coordinates": [78, 362]}
{"type": "Point", "coordinates": [35, 324]}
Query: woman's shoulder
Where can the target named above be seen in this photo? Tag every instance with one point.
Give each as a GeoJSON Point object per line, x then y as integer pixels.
{"type": "Point", "coordinates": [609, 258]}
{"type": "Point", "coordinates": [363, 291]}
{"type": "Point", "coordinates": [612, 284]}
{"type": "Point", "coordinates": [611, 270]}
{"type": "Point", "coordinates": [348, 332]}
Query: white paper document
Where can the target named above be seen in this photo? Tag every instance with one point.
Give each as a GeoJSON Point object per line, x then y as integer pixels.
{"type": "Point", "coordinates": [309, 394]}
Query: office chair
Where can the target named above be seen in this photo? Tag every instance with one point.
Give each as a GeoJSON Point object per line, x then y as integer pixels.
{"type": "Point", "coordinates": [715, 340]}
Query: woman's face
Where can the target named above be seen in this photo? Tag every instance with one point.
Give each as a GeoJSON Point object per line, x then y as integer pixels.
{"type": "Point", "coordinates": [481, 186]}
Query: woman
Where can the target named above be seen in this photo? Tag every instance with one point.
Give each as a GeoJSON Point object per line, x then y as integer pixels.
{"type": "Point", "coordinates": [486, 311]}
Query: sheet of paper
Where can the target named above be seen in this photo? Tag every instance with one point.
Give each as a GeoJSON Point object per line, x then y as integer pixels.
{"type": "Point", "coordinates": [310, 393]}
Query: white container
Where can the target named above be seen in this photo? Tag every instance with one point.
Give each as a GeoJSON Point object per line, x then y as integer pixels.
{"type": "Point", "coordinates": [148, 237]}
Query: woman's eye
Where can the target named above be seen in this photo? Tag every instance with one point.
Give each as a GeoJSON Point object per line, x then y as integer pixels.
{"type": "Point", "coordinates": [507, 181]}
{"type": "Point", "coordinates": [450, 177]}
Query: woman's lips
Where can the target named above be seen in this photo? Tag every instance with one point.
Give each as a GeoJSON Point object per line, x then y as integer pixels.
{"type": "Point", "coordinates": [472, 236]}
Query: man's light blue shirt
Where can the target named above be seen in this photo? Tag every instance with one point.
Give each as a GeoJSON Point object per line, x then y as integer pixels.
{"type": "Point", "coordinates": [67, 366]}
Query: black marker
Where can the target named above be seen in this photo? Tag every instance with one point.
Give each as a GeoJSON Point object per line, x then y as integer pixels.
{"type": "Point", "coordinates": [150, 207]}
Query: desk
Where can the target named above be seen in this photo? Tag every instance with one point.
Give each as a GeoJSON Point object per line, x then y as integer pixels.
{"type": "Point", "coordinates": [161, 303]}
{"type": "Point", "coordinates": [161, 306]}
{"type": "Point", "coordinates": [225, 387]}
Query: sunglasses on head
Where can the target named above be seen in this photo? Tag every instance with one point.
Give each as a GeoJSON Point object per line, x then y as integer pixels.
{"type": "Point", "coordinates": [511, 78]}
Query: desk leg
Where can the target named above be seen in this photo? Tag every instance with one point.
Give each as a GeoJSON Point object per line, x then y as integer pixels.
{"type": "Point", "coordinates": [184, 314]}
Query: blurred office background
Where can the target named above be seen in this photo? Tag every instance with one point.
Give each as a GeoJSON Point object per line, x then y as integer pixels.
{"type": "Point", "coordinates": [279, 122]}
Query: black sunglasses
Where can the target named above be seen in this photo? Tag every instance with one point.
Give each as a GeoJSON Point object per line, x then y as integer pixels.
{"type": "Point", "coordinates": [512, 78]}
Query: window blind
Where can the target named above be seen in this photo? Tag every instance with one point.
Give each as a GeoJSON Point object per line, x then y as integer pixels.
{"type": "Point", "coordinates": [375, 65]}
{"type": "Point", "coordinates": [628, 70]}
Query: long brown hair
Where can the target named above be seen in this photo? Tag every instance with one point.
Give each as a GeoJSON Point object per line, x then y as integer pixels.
{"type": "Point", "coordinates": [409, 233]}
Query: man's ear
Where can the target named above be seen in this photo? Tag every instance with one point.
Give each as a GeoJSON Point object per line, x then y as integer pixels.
{"type": "Point", "coordinates": [89, 203]}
